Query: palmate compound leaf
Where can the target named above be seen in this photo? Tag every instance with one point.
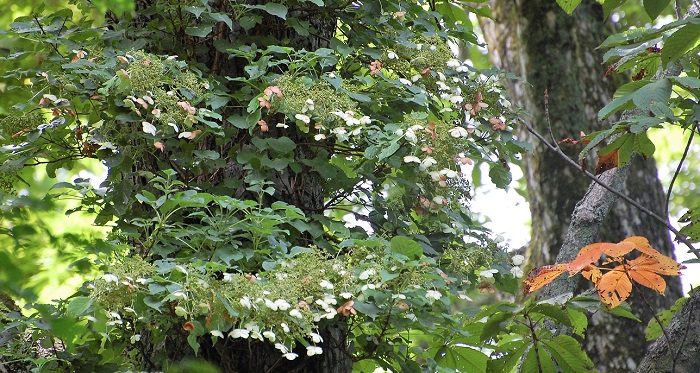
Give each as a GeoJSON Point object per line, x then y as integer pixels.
{"type": "Point", "coordinates": [542, 276]}
{"type": "Point", "coordinates": [615, 286]}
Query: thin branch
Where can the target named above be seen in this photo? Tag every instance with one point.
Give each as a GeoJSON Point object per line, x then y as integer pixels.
{"type": "Point", "coordinates": [549, 122]}
{"type": "Point", "coordinates": [677, 8]}
{"type": "Point", "coordinates": [680, 165]}
{"type": "Point", "coordinates": [679, 236]}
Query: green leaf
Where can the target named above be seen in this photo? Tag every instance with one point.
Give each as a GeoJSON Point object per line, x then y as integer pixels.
{"type": "Point", "coordinates": [276, 9]}
{"type": "Point", "coordinates": [406, 246]}
{"type": "Point", "coordinates": [655, 7]}
{"type": "Point", "coordinates": [196, 10]}
{"type": "Point", "coordinates": [568, 5]}
{"type": "Point", "coordinates": [644, 146]}
{"type": "Point", "coordinates": [500, 175]}
{"type": "Point", "coordinates": [657, 92]}
{"type": "Point", "coordinates": [367, 308]}
{"type": "Point", "coordinates": [493, 325]}
{"type": "Point", "coordinates": [78, 306]}
{"type": "Point", "coordinates": [622, 98]}
{"type": "Point", "coordinates": [538, 360]}
{"type": "Point", "coordinates": [610, 5]}
{"type": "Point", "coordinates": [552, 311]}
{"type": "Point", "coordinates": [511, 354]}
{"type": "Point", "coordinates": [623, 310]}
{"type": "Point", "coordinates": [568, 354]}
{"type": "Point", "coordinates": [579, 321]}
{"type": "Point", "coordinates": [389, 150]}
{"type": "Point", "coordinates": [681, 42]}
{"type": "Point", "coordinates": [222, 17]}
{"type": "Point", "coordinates": [199, 31]}
{"type": "Point", "coordinates": [464, 359]}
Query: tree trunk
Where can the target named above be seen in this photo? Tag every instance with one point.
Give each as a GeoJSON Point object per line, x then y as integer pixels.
{"type": "Point", "coordinates": [556, 52]}
{"type": "Point", "coordinates": [302, 189]}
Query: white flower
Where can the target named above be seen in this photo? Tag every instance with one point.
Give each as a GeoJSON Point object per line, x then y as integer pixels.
{"type": "Point", "coordinates": [366, 273]}
{"type": "Point", "coordinates": [442, 86]}
{"type": "Point", "coordinates": [435, 175]}
{"type": "Point", "coordinates": [346, 295]}
{"type": "Point", "coordinates": [319, 137]}
{"type": "Point", "coordinates": [108, 277]}
{"type": "Point", "coordinates": [419, 46]}
{"type": "Point", "coordinates": [427, 162]}
{"type": "Point", "coordinates": [433, 294]}
{"type": "Point", "coordinates": [149, 128]}
{"type": "Point", "coordinates": [281, 125]}
{"type": "Point", "coordinates": [308, 105]}
{"type": "Point", "coordinates": [456, 99]}
{"type": "Point", "coordinates": [285, 327]}
{"type": "Point", "coordinates": [135, 338]}
{"type": "Point", "coordinates": [433, 48]}
{"type": "Point", "coordinates": [517, 272]}
{"type": "Point", "coordinates": [488, 273]}
{"type": "Point", "coordinates": [179, 294]}
{"type": "Point", "coordinates": [281, 347]}
{"type": "Point", "coordinates": [411, 136]}
{"type": "Point", "coordinates": [313, 350]}
{"type": "Point", "coordinates": [392, 56]}
{"type": "Point", "coordinates": [270, 335]}
{"type": "Point", "coordinates": [518, 260]}
{"type": "Point", "coordinates": [296, 313]}
{"type": "Point", "coordinates": [245, 302]}
{"type": "Point", "coordinates": [303, 118]}
{"type": "Point", "coordinates": [270, 304]}
{"type": "Point", "coordinates": [449, 173]}
{"type": "Point", "coordinates": [252, 327]}
{"type": "Point", "coordinates": [316, 338]}
{"type": "Point", "coordinates": [458, 132]}
{"type": "Point", "coordinates": [368, 286]}
{"type": "Point", "coordinates": [326, 284]}
{"type": "Point", "coordinates": [453, 63]}
{"type": "Point", "coordinates": [441, 76]}
{"type": "Point", "coordinates": [411, 159]}
{"type": "Point", "coordinates": [228, 277]}
{"type": "Point", "coordinates": [290, 356]}
{"type": "Point", "coordinates": [217, 333]}
{"type": "Point", "coordinates": [415, 78]}
{"type": "Point", "coordinates": [440, 200]}
{"type": "Point", "coordinates": [462, 69]}
{"type": "Point", "coordinates": [256, 335]}
{"type": "Point", "coordinates": [282, 304]}
{"type": "Point", "coordinates": [365, 120]}
{"type": "Point", "coordinates": [405, 81]}
{"type": "Point", "coordinates": [239, 333]}
{"type": "Point", "coordinates": [174, 126]}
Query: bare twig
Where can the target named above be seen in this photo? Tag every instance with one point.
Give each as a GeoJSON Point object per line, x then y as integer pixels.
{"type": "Point", "coordinates": [679, 236]}
{"type": "Point", "coordinates": [680, 165]}
{"type": "Point", "coordinates": [677, 8]}
{"type": "Point", "coordinates": [549, 122]}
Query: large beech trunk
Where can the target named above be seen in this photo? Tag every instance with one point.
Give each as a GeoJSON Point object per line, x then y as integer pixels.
{"type": "Point", "coordinates": [556, 52]}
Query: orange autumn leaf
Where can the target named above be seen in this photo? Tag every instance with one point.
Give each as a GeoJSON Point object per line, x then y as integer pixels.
{"type": "Point", "coordinates": [542, 276]}
{"type": "Point", "coordinates": [614, 288]}
{"type": "Point", "coordinates": [606, 162]}
{"type": "Point", "coordinates": [188, 326]}
{"type": "Point", "coordinates": [592, 273]}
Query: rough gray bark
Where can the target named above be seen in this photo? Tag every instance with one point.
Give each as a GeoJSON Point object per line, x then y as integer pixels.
{"type": "Point", "coordinates": [685, 343]}
{"type": "Point", "coordinates": [536, 40]}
